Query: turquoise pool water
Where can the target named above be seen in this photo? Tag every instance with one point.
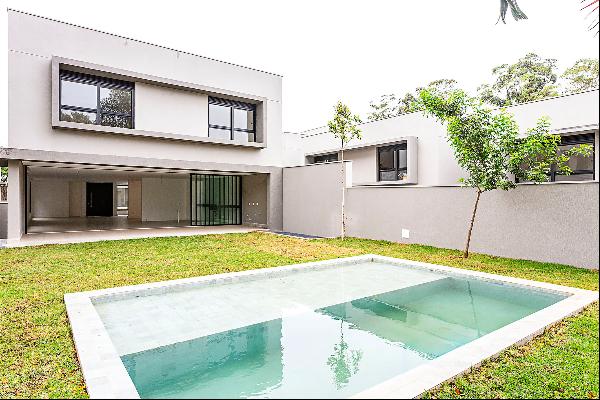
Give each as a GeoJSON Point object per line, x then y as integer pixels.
{"type": "Point", "coordinates": [337, 350]}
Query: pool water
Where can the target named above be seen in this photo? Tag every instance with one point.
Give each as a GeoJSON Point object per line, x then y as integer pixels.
{"type": "Point", "coordinates": [336, 350]}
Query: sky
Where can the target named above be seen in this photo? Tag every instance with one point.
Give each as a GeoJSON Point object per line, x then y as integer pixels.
{"type": "Point", "coordinates": [353, 51]}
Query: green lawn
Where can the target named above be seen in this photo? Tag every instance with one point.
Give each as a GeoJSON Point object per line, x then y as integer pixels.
{"type": "Point", "coordinates": [37, 357]}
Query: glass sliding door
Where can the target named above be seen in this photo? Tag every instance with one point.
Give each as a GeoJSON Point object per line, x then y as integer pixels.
{"type": "Point", "coordinates": [216, 199]}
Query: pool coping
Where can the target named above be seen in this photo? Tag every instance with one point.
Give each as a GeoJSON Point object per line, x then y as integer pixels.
{"type": "Point", "coordinates": [106, 377]}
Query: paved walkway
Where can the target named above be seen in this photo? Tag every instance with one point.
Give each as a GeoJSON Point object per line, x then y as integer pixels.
{"type": "Point", "coordinates": [95, 235]}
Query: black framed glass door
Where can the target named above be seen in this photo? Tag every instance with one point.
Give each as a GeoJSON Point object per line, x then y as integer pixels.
{"type": "Point", "coordinates": [216, 199]}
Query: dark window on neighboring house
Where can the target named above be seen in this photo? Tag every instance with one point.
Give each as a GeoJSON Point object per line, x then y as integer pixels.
{"type": "Point", "coordinates": [391, 163]}
{"type": "Point", "coordinates": [231, 120]}
{"type": "Point", "coordinates": [87, 99]}
{"type": "Point", "coordinates": [583, 167]}
{"type": "Point", "coordinates": [325, 158]}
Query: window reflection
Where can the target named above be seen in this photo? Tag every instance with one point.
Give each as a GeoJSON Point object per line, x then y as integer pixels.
{"type": "Point", "coordinates": [78, 117]}
{"type": "Point", "coordinates": [87, 99]}
{"type": "Point", "coordinates": [115, 100]}
{"type": "Point", "coordinates": [392, 164]}
{"type": "Point", "coordinates": [237, 118]}
{"type": "Point", "coordinates": [78, 94]}
{"type": "Point", "coordinates": [219, 115]}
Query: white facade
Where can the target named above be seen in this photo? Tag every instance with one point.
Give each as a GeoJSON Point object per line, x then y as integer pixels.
{"type": "Point", "coordinates": [51, 159]}
{"type": "Point", "coordinates": [569, 115]}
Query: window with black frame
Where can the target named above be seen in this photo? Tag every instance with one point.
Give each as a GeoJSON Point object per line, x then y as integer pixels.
{"type": "Point", "coordinates": [392, 163]}
{"type": "Point", "coordinates": [583, 167]}
{"type": "Point", "coordinates": [231, 120]}
{"type": "Point", "coordinates": [325, 158]}
{"type": "Point", "coordinates": [88, 99]}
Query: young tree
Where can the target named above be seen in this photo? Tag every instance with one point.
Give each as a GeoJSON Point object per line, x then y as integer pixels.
{"type": "Point", "coordinates": [583, 75]}
{"type": "Point", "coordinates": [343, 127]}
{"type": "Point", "coordinates": [487, 146]}
{"type": "Point", "coordinates": [530, 78]}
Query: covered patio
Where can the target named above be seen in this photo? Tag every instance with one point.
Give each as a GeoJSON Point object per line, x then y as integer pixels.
{"type": "Point", "coordinates": [70, 203]}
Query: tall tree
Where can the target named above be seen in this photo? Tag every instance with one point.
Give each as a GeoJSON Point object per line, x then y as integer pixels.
{"type": "Point", "coordinates": [530, 78]}
{"type": "Point", "coordinates": [390, 106]}
{"type": "Point", "coordinates": [344, 128]}
{"type": "Point", "coordinates": [487, 146]}
{"type": "Point", "coordinates": [583, 75]}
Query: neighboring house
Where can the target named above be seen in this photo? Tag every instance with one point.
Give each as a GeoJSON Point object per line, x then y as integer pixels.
{"type": "Point", "coordinates": [102, 125]}
{"type": "Point", "coordinates": [402, 184]}
{"type": "Point", "coordinates": [412, 149]}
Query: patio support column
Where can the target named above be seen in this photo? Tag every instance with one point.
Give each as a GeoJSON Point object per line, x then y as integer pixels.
{"type": "Point", "coordinates": [16, 200]}
{"type": "Point", "coordinates": [275, 200]}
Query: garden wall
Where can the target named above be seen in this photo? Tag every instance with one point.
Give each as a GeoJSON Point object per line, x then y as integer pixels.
{"type": "Point", "coordinates": [551, 222]}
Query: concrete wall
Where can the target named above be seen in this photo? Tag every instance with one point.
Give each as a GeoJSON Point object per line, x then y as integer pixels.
{"type": "Point", "coordinates": [312, 198]}
{"type": "Point", "coordinates": [135, 199]}
{"type": "Point", "coordinates": [76, 199]}
{"type": "Point", "coordinates": [16, 207]}
{"type": "Point", "coordinates": [33, 41]}
{"type": "Point", "coordinates": [50, 198]}
{"type": "Point", "coordinates": [3, 219]}
{"type": "Point", "coordinates": [550, 222]}
{"type": "Point", "coordinates": [254, 200]}
{"type": "Point", "coordinates": [163, 198]}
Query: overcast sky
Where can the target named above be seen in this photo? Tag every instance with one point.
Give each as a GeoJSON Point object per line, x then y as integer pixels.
{"type": "Point", "coordinates": [348, 50]}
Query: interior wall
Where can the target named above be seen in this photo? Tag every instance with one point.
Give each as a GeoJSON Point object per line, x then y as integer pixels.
{"type": "Point", "coordinates": [76, 199]}
{"type": "Point", "coordinates": [49, 198]}
{"type": "Point", "coordinates": [135, 199]}
{"type": "Point", "coordinates": [254, 200]}
{"type": "Point", "coordinates": [163, 199]}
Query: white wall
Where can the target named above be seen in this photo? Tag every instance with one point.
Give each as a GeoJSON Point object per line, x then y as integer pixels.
{"type": "Point", "coordinates": [3, 78]}
{"type": "Point", "coordinates": [33, 41]}
{"type": "Point", "coordinates": [312, 198]}
{"type": "Point", "coordinates": [49, 198]}
{"type": "Point", "coordinates": [161, 109]}
{"type": "Point", "coordinates": [163, 197]}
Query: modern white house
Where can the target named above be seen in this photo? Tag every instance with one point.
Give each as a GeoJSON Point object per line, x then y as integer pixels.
{"type": "Point", "coordinates": [104, 126]}
{"type": "Point", "coordinates": [106, 132]}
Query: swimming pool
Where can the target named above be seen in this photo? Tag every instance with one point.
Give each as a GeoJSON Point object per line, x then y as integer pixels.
{"type": "Point", "coordinates": [366, 326]}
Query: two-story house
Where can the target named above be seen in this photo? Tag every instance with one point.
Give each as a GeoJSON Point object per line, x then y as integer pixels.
{"type": "Point", "coordinates": [100, 125]}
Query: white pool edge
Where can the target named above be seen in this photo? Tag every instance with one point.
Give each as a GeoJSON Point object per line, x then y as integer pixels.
{"type": "Point", "coordinates": [106, 377]}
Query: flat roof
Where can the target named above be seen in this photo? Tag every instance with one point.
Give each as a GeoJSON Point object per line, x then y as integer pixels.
{"type": "Point", "coordinates": [143, 42]}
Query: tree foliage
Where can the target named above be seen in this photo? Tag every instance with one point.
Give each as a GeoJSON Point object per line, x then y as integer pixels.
{"type": "Point", "coordinates": [530, 78]}
{"type": "Point", "coordinates": [390, 106]}
{"type": "Point", "coordinates": [583, 75]}
{"type": "Point", "coordinates": [488, 148]}
{"type": "Point", "coordinates": [343, 126]}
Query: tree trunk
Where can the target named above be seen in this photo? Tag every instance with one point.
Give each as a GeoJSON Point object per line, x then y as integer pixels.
{"type": "Point", "coordinates": [343, 195]}
{"type": "Point", "coordinates": [466, 252]}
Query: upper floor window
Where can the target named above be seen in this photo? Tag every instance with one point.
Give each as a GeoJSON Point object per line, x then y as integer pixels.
{"type": "Point", "coordinates": [231, 120]}
{"type": "Point", "coordinates": [583, 167]}
{"type": "Point", "coordinates": [392, 163]}
{"type": "Point", "coordinates": [88, 99]}
{"type": "Point", "coordinates": [325, 158]}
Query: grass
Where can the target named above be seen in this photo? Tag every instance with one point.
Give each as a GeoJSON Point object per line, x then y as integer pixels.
{"type": "Point", "coordinates": [38, 357]}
